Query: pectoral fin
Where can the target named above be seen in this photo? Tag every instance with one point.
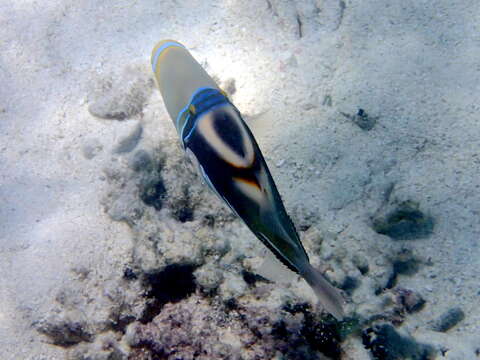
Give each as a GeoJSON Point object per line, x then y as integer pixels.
{"type": "Point", "coordinates": [273, 270]}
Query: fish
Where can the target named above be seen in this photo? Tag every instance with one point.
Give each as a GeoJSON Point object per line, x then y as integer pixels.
{"type": "Point", "coordinates": [216, 138]}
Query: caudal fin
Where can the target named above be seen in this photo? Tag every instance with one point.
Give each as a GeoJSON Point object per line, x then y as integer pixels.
{"type": "Point", "coordinates": [328, 295]}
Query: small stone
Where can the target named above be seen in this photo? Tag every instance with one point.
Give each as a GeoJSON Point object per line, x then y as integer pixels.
{"type": "Point", "coordinates": [308, 106]}
{"type": "Point", "coordinates": [233, 286]}
{"type": "Point", "coordinates": [408, 300]}
{"type": "Point", "coordinates": [141, 161]}
{"type": "Point", "coordinates": [229, 86]}
{"type": "Point", "coordinates": [361, 119]}
{"type": "Point", "coordinates": [129, 274]}
{"type": "Point", "coordinates": [129, 142]}
{"type": "Point", "coordinates": [182, 210]}
{"type": "Point", "coordinates": [327, 101]}
{"type": "Point", "coordinates": [361, 263]}
{"type": "Point", "coordinates": [364, 121]}
{"type": "Point", "coordinates": [312, 238]}
{"type": "Point", "coordinates": [91, 148]}
{"type": "Point", "coordinates": [405, 263]}
{"type": "Point", "coordinates": [448, 320]}
{"type": "Point", "coordinates": [81, 271]}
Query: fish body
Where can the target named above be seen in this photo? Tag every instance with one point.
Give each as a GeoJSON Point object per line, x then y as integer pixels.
{"type": "Point", "coordinates": [219, 142]}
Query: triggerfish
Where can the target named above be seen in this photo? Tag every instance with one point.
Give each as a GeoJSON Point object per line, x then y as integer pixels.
{"type": "Point", "coordinates": [219, 142]}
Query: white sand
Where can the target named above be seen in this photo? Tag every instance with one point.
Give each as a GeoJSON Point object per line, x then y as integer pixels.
{"type": "Point", "coordinates": [413, 64]}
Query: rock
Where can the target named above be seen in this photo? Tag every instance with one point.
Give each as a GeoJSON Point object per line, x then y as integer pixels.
{"type": "Point", "coordinates": [172, 284]}
{"type": "Point", "coordinates": [124, 208]}
{"type": "Point", "coordinates": [397, 304]}
{"type": "Point", "coordinates": [209, 276]}
{"type": "Point", "coordinates": [233, 285]}
{"type": "Point", "coordinates": [153, 193]}
{"type": "Point", "coordinates": [385, 343]}
{"type": "Point", "coordinates": [183, 331]}
{"type": "Point", "coordinates": [191, 274]}
{"type": "Point", "coordinates": [451, 346]}
{"type": "Point", "coordinates": [202, 329]}
{"type": "Point", "coordinates": [105, 347]}
{"type": "Point", "coordinates": [121, 96]}
{"type": "Point", "coordinates": [65, 329]}
{"type": "Point", "coordinates": [349, 284]}
{"type": "Point", "coordinates": [406, 222]}
{"type": "Point", "coordinates": [408, 300]}
{"type": "Point", "coordinates": [89, 307]}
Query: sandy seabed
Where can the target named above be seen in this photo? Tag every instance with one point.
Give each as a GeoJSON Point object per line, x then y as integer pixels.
{"type": "Point", "coordinates": [108, 241]}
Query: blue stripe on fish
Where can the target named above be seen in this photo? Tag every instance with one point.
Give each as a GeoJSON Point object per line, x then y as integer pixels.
{"type": "Point", "coordinates": [186, 109]}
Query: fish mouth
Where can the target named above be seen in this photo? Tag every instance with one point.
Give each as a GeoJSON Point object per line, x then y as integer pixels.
{"type": "Point", "coordinates": [160, 48]}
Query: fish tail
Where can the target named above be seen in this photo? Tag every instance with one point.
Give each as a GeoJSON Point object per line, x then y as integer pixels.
{"type": "Point", "coordinates": [327, 294]}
